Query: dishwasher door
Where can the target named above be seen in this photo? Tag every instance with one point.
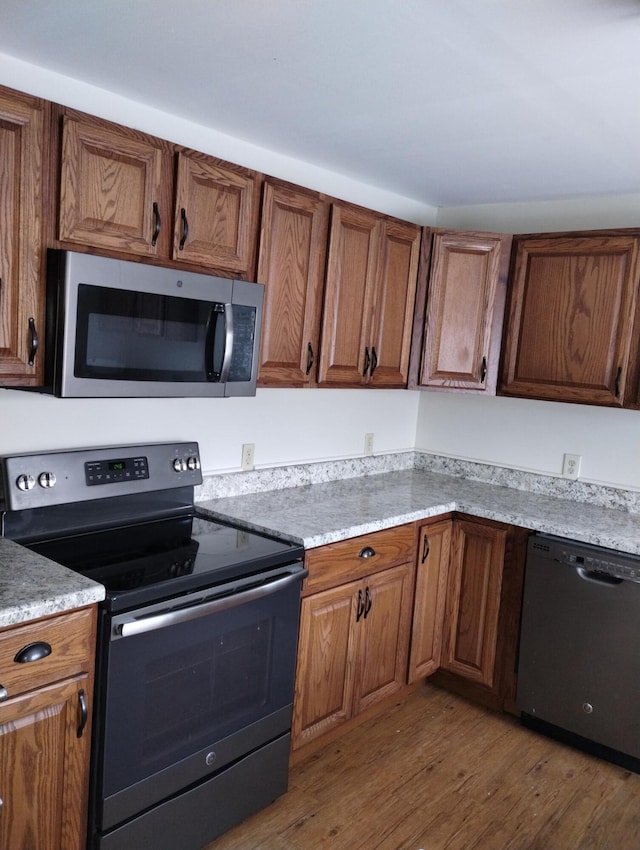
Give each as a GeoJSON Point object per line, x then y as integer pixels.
{"type": "Point", "coordinates": [579, 662]}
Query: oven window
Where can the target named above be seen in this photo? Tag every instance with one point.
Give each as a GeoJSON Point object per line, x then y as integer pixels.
{"type": "Point", "coordinates": [182, 689]}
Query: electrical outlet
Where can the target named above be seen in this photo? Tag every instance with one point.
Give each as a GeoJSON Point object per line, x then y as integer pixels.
{"type": "Point", "coordinates": [368, 444]}
{"type": "Point", "coordinates": [571, 466]}
{"type": "Point", "coordinates": [248, 456]}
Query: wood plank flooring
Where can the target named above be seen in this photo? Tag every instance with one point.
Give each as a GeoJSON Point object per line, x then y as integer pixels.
{"type": "Point", "coordinates": [435, 772]}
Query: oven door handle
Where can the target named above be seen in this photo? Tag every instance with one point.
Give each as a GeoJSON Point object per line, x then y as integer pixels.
{"type": "Point", "coordinates": [153, 622]}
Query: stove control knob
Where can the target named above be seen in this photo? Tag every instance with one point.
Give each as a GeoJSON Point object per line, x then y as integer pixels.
{"type": "Point", "coordinates": [25, 482]}
{"type": "Point", "coordinates": [179, 464]}
{"type": "Point", "coordinates": [193, 463]}
{"type": "Point", "coordinates": [47, 479]}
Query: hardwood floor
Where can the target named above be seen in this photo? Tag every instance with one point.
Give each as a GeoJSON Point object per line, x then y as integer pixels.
{"type": "Point", "coordinates": [436, 772]}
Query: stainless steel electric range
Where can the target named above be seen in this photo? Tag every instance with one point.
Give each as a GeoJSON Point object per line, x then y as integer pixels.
{"type": "Point", "coordinates": [197, 639]}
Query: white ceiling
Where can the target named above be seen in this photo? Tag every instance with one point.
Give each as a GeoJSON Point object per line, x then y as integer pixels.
{"type": "Point", "coordinates": [449, 102]}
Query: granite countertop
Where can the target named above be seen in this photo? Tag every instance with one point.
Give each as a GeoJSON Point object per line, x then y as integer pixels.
{"type": "Point", "coordinates": [316, 514]}
{"type": "Point", "coordinates": [32, 586]}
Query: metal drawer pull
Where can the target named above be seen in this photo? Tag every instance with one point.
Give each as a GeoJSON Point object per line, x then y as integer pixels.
{"type": "Point", "coordinates": [425, 549]}
{"type": "Point", "coordinates": [84, 712]}
{"type": "Point", "coordinates": [33, 652]}
{"type": "Point", "coordinates": [35, 342]}
{"type": "Point", "coordinates": [367, 552]}
{"type": "Point", "coordinates": [4, 693]}
{"type": "Point", "coordinates": [369, 603]}
{"type": "Point", "coordinates": [185, 229]}
{"type": "Point", "coordinates": [617, 386]}
{"type": "Point", "coordinates": [310, 359]}
{"type": "Point", "coordinates": [367, 361]}
{"type": "Point", "coordinates": [483, 370]}
{"type": "Point", "coordinates": [156, 225]}
{"type": "Point", "coordinates": [374, 361]}
{"type": "Point", "coordinates": [360, 610]}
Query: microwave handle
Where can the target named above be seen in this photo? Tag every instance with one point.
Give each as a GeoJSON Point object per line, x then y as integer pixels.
{"type": "Point", "coordinates": [228, 343]}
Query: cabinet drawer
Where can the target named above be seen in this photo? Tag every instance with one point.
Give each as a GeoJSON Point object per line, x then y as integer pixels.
{"type": "Point", "coordinates": [351, 559]}
{"type": "Point", "coordinates": [71, 638]}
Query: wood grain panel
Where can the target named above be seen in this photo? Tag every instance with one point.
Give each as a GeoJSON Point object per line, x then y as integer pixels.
{"type": "Point", "coordinates": [347, 560]}
{"type": "Point", "coordinates": [220, 203]}
{"type": "Point", "coordinates": [324, 678]}
{"type": "Point", "coordinates": [395, 301]}
{"type": "Point", "coordinates": [291, 265]}
{"type": "Point", "coordinates": [22, 122]}
{"type": "Point", "coordinates": [110, 180]}
{"type": "Point", "coordinates": [571, 319]}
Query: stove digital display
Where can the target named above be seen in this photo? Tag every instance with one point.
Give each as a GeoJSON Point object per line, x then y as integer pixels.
{"type": "Point", "coordinates": [114, 471]}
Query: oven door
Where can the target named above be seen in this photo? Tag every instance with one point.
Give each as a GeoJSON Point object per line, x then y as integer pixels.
{"type": "Point", "coordinates": [193, 686]}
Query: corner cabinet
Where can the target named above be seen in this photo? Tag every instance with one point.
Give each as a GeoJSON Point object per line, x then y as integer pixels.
{"type": "Point", "coordinates": [291, 265]}
{"type": "Point", "coordinates": [459, 311]}
{"type": "Point", "coordinates": [482, 611]}
{"type": "Point", "coordinates": [354, 629]}
{"type": "Point", "coordinates": [371, 280]}
{"type": "Point", "coordinates": [23, 123]}
{"type": "Point", "coordinates": [45, 732]}
{"type": "Point", "coordinates": [573, 325]}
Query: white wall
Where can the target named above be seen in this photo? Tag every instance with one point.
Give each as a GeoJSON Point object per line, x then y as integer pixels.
{"type": "Point", "coordinates": [527, 434]}
{"type": "Point", "coordinates": [287, 426]}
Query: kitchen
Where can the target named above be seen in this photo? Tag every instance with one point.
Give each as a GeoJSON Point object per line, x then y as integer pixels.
{"type": "Point", "coordinates": [515, 433]}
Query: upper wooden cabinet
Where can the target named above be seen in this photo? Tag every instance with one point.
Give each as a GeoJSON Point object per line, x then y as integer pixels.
{"type": "Point", "coordinates": [572, 332]}
{"type": "Point", "coordinates": [459, 311]}
{"type": "Point", "coordinates": [23, 122]}
{"type": "Point", "coordinates": [117, 194]}
{"type": "Point", "coordinates": [111, 188]}
{"type": "Point", "coordinates": [291, 265]}
{"type": "Point", "coordinates": [216, 214]}
{"type": "Point", "coordinates": [369, 299]}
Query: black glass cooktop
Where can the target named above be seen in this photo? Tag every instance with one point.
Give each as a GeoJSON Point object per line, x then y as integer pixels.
{"type": "Point", "coordinates": [149, 561]}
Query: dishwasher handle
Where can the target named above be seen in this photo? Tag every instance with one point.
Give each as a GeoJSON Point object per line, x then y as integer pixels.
{"type": "Point", "coordinates": [597, 577]}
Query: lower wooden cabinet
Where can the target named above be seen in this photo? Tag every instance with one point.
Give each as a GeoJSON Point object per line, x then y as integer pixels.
{"type": "Point", "coordinates": [45, 733]}
{"type": "Point", "coordinates": [482, 611]}
{"type": "Point", "coordinates": [354, 637]}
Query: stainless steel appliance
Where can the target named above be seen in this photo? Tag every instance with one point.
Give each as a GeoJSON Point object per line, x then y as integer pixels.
{"type": "Point", "coordinates": [579, 663]}
{"type": "Point", "coordinates": [197, 640]}
{"type": "Point", "coordinates": [118, 328]}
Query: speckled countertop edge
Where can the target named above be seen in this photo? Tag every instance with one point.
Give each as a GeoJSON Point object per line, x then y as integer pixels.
{"type": "Point", "coordinates": [32, 586]}
{"type": "Point", "coordinates": [317, 514]}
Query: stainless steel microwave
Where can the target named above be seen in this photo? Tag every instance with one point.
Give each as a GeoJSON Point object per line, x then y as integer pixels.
{"type": "Point", "coordinates": [124, 329]}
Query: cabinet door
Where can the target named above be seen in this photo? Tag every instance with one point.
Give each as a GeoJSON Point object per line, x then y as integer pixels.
{"type": "Point", "coordinates": [394, 304]}
{"type": "Point", "coordinates": [216, 214]}
{"type": "Point", "coordinates": [571, 318]}
{"type": "Point", "coordinates": [43, 766]}
{"type": "Point", "coordinates": [21, 278]}
{"type": "Point", "coordinates": [473, 601]}
{"type": "Point", "coordinates": [383, 636]}
{"type": "Point", "coordinates": [430, 597]}
{"type": "Point", "coordinates": [464, 311]}
{"type": "Point", "coordinates": [291, 264]}
{"type": "Point", "coordinates": [324, 679]}
{"type": "Point", "coordinates": [349, 296]}
{"type": "Point", "coordinates": [111, 192]}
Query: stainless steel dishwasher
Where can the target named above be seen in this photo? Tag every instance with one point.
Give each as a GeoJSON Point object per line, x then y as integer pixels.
{"type": "Point", "coordinates": [579, 662]}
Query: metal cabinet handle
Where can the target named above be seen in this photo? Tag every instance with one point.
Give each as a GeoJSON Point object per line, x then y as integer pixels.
{"type": "Point", "coordinates": [367, 361]}
{"type": "Point", "coordinates": [368, 604]}
{"type": "Point", "coordinates": [33, 652]}
{"type": "Point", "coordinates": [483, 370]}
{"type": "Point", "coordinates": [310, 358]}
{"type": "Point", "coordinates": [157, 223]}
{"type": "Point", "coordinates": [35, 342]}
{"type": "Point", "coordinates": [360, 609]}
{"type": "Point", "coordinates": [374, 361]}
{"type": "Point", "coordinates": [617, 384]}
{"type": "Point", "coordinates": [4, 693]}
{"type": "Point", "coordinates": [185, 229]}
{"type": "Point", "coordinates": [425, 549]}
{"type": "Point", "coordinates": [367, 552]}
{"type": "Point", "coordinates": [84, 712]}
